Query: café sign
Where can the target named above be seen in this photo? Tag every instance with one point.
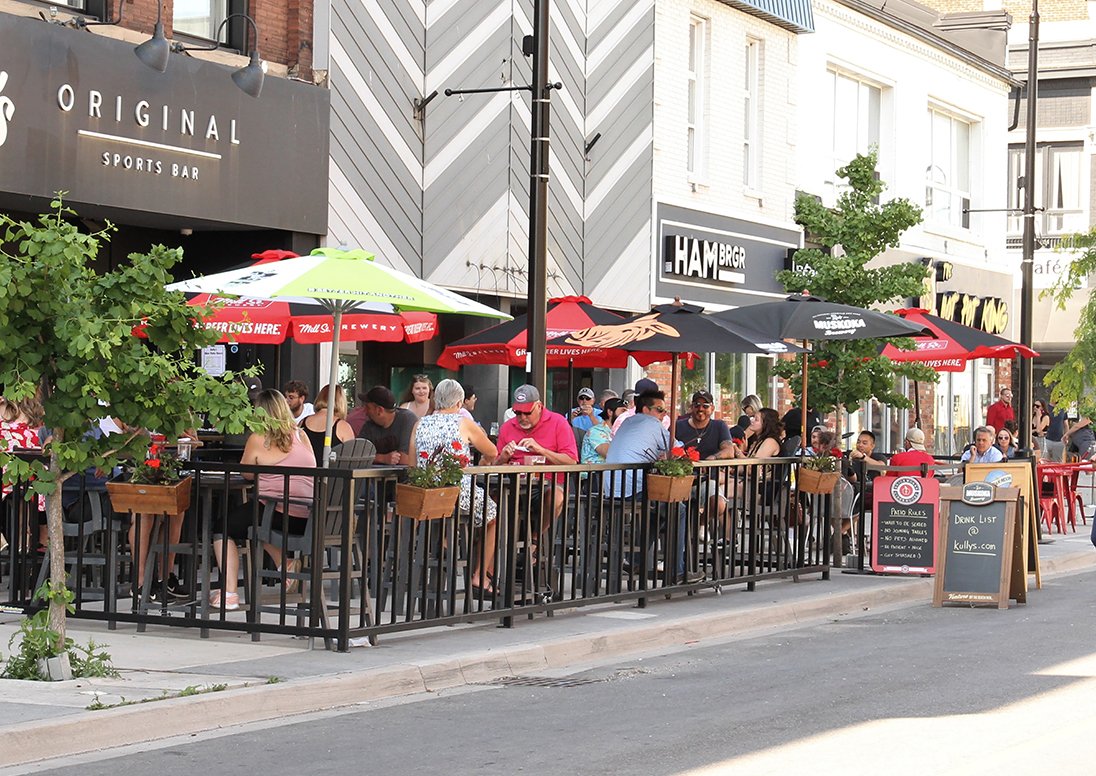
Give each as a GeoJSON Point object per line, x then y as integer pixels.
{"type": "Point", "coordinates": [80, 113]}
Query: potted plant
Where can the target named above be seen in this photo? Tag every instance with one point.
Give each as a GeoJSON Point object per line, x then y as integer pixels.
{"type": "Point", "coordinates": [819, 473]}
{"type": "Point", "coordinates": [671, 479]}
{"type": "Point", "coordinates": [156, 486]}
{"type": "Point", "coordinates": [433, 487]}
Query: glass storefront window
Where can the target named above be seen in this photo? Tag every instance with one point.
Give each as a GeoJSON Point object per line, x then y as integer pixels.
{"type": "Point", "coordinates": [730, 376]}
{"type": "Point", "coordinates": [200, 18]}
{"type": "Point", "coordinates": [693, 380]}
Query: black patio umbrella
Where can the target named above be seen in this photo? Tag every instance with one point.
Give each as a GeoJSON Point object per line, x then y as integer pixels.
{"type": "Point", "coordinates": [676, 328]}
{"type": "Point", "coordinates": [804, 317]}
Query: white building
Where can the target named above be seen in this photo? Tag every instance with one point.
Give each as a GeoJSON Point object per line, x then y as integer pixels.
{"type": "Point", "coordinates": [931, 93]}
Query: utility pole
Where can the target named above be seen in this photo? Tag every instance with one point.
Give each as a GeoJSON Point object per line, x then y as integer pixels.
{"type": "Point", "coordinates": [1027, 261]}
{"type": "Point", "coordinates": [536, 330]}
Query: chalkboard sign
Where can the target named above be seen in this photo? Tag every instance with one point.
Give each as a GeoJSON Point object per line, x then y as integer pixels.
{"type": "Point", "coordinates": [904, 525]}
{"type": "Point", "coordinates": [977, 536]}
{"type": "Point", "coordinates": [1016, 474]}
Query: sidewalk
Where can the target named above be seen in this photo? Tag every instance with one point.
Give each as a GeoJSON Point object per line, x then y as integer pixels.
{"type": "Point", "coordinates": [280, 676]}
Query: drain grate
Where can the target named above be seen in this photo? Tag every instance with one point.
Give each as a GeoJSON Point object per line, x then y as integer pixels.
{"type": "Point", "coordinates": [543, 681]}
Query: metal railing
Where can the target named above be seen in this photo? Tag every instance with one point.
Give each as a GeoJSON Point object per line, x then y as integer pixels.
{"type": "Point", "coordinates": [527, 540]}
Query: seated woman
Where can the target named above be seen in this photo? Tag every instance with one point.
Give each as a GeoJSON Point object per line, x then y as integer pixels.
{"type": "Point", "coordinates": [315, 425]}
{"type": "Point", "coordinates": [282, 444]}
{"type": "Point", "coordinates": [443, 428]}
{"type": "Point", "coordinates": [1006, 443]}
{"type": "Point", "coordinates": [19, 424]}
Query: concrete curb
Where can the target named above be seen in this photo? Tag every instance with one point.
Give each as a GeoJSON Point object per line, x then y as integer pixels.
{"type": "Point", "coordinates": [109, 728]}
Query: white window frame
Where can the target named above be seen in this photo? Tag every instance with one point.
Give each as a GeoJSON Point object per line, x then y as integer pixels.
{"type": "Point", "coordinates": [751, 116]}
{"type": "Point", "coordinates": [1052, 220]}
{"type": "Point", "coordinates": [201, 26]}
{"type": "Point", "coordinates": [867, 135]}
{"type": "Point", "coordinates": [696, 129]}
{"type": "Point", "coordinates": [940, 179]}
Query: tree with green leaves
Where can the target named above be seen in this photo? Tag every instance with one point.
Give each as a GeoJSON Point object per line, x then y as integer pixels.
{"type": "Point", "coordinates": [1071, 379]}
{"type": "Point", "coordinates": [67, 336]}
{"type": "Point", "coordinates": [852, 234]}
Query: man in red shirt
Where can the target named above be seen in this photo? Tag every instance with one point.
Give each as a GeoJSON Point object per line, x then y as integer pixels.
{"type": "Point", "coordinates": [913, 455]}
{"type": "Point", "coordinates": [1001, 410]}
{"type": "Point", "coordinates": [537, 431]}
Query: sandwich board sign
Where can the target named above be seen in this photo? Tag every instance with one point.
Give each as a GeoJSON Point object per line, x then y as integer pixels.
{"type": "Point", "coordinates": [979, 543]}
{"type": "Point", "coordinates": [904, 525]}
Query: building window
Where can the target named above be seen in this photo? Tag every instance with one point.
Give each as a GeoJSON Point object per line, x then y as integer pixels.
{"type": "Point", "coordinates": [947, 177]}
{"type": "Point", "coordinates": [853, 127]}
{"type": "Point", "coordinates": [201, 18]}
{"type": "Point", "coordinates": [695, 132]}
{"type": "Point", "coordinates": [1058, 188]}
{"type": "Point", "coordinates": [751, 111]}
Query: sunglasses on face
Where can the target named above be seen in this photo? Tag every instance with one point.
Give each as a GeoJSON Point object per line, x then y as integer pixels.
{"type": "Point", "coordinates": [523, 414]}
{"type": "Point", "coordinates": [702, 405]}
{"type": "Point", "coordinates": [659, 410]}
{"type": "Point", "coordinates": [1004, 439]}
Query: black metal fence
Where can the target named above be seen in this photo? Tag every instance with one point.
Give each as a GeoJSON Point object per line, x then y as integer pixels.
{"type": "Point", "coordinates": [525, 540]}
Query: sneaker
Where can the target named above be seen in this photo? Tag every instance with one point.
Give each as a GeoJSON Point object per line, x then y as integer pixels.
{"type": "Point", "coordinates": [175, 589]}
{"type": "Point", "coordinates": [231, 600]}
{"type": "Point", "coordinates": [690, 577]}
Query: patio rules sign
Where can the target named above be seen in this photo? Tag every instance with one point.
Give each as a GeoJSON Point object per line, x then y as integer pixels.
{"type": "Point", "coordinates": [904, 526]}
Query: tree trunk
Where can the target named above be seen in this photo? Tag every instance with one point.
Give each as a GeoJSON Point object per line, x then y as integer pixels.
{"type": "Point", "coordinates": [57, 577]}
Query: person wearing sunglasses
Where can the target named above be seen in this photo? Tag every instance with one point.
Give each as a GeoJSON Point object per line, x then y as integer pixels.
{"type": "Point", "coordinates": [536, 435]}
{"type": "Point", "coordinates": [1006, 443]}
{"type": "Point", "coordinates": [713, 440]}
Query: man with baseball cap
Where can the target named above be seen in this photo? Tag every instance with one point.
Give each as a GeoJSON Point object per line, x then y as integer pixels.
{"type": "Point", "coordinates": [914, 454]}
{"type": "Point", "coordinates": [582, 416]}
{"type": "Point", "coordinates": [537, 431]}
{"type": "Point", "coordinates": [387, 426]}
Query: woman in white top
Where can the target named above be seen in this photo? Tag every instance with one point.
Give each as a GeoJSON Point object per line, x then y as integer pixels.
{"type": "Point", "coordinates": [443, 428]}
{"type": "Point", "coordinates": [418, 396]}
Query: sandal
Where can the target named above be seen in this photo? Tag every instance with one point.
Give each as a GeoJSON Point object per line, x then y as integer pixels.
{"type": "Point", "coordinates": [231, 601]}
{"type": "Point", "coordinates": [292, 566]}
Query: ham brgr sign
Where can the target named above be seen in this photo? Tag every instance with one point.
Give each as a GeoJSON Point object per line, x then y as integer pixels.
{"type": "Point", "coordinates": [184, 148]}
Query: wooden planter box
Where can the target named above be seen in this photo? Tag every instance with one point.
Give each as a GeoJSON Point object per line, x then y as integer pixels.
{"type": "Point", "coordinates": [668, 489]}
{"type": "Point", "coordinates": [150, 499]}
{"type": "Point", "coordinates": [425, 503]}
{"type": "Point", "coordinates": [811, 481]}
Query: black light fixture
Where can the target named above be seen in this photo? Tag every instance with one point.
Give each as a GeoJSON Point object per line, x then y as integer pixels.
{"type": "Point", "coordinates": [249, 77]}
{"type": "Point", "coordinates": [155, 51]}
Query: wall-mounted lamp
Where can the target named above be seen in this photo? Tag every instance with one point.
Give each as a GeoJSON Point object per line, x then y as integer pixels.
{"type": "Point", "coordinates": [155, 51]}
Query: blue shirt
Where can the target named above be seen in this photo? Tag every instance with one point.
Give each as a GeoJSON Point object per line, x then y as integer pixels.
{"type": "Point", "coordinates": [640, 439]}
{"type": "Point", "coordinates": [993, 455]}
{"type": "Point", "coordinates": [582, 421]}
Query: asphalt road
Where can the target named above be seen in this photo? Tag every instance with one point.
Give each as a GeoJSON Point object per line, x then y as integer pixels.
{"type": "Point", "coordinates": [921, 690]}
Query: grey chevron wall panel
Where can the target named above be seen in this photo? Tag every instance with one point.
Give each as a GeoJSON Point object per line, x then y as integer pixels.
{"type": "Point", "coordinates": [447, 197]}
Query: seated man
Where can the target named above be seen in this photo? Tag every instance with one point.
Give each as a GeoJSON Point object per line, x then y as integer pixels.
{"type": "Point", "coordinates": [387, 426]}
{"type": "Point", "coordinates": [642, 439]}
{"type": "Point", "coordinates": [982, 451]}
{"type": "Point", "coordinates": [537, 431]}
{"type": "Point", "coordinates": [864, 464]}
{"type": "Point", "coordinates": [711, 438]}
{"type": "Point", "coordinates": [584, 415]}
{"type": "Point", "coordinates": [914, 454]}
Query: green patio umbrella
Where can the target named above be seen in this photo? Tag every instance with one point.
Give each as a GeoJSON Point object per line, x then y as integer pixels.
{"type": "Point", "coordinates": [342, 281]}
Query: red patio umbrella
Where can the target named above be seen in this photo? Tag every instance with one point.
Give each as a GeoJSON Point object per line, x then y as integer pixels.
{"type": "Point", "coordinates": [506, 343]}
{"type": "Point", "coordinates": [955, 345]}
{"type": "Point", "coordinates": [269, 322]}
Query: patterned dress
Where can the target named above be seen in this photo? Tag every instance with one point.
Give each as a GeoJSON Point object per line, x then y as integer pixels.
{"type": "Point", "coordinates": [18, 435]}
{"type": "Point", "coordinates": [444, 429]}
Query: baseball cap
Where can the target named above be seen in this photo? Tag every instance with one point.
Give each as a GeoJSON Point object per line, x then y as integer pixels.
{"type": "Point", "coordinates": [585, 393]}
{"type": "Point", "coordinates": [703, 397]}
{"type": "Point", "coordinates": [382, 397]}
{"type": "Point", "coordinates": [646, 384]}
{"type": "Point", "coordinates": [611, 406]}
{"type": "Point", "coordinates": [524, 398]}
{"type": "Point", "coordinates": [253, 384]}
{"type": "Point", "coordinates": [916, 438]}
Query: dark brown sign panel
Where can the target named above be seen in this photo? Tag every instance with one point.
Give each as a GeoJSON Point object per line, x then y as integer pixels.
{"type": "Point", "coordinates": [80, 113]}
{"type": "Point", "coordinates": [904, 525]}
{"type": "Point", "coordinates": [978, 534]}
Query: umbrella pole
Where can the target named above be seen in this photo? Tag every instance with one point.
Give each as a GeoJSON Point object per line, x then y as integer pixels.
{"type": "Point", "coordinates": [803, 405]}
{"type": "Point", "coordinates": [917, 404]}
{"type": "Point", "coordinates": [673, 398]}
{"type": "Point", "coordinates": [570, 383]}
{"type": "Point", "coordinates": [332, 381]}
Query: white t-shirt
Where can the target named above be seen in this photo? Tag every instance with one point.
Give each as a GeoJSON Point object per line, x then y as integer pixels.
{"type": "Point", "coordinates": [306, 410]}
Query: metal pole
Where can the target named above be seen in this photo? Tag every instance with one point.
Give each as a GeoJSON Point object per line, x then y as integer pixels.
{"type": "Point", "coordinates": [1023, 408]}
{"type": "Point", "coordinates": [537, 331]}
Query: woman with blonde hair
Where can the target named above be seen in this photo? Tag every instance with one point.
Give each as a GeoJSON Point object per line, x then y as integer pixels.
{"type": "Point", "coordinates": [419, 396]}
{"type": "Point", "coordinates": [315, 425]}
{"type": "Point", "coordinates": [282, 443]}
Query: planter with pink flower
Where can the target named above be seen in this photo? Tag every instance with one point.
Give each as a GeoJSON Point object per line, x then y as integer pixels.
{"type": "Point", "coordinates": [433, 485]}
{"type": "Point", "coordinates": [671, 479]}
{"type": "Point", "coordinates": [819, 473]}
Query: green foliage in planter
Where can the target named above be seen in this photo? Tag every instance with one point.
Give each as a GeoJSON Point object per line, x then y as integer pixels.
{"type": "Point", "coordinates": [441, 469]}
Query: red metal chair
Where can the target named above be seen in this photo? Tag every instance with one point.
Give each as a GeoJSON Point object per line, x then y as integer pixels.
{"type": "Point", "coordinates": [1052, 497]}
{"type": "Point", "coordinates": [1075, 504]}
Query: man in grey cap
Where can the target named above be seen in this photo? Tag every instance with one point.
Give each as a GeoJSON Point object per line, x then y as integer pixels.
{"type": "Point", "coordinates": [582, 416]}
{"type": "Point", "coordinates": [536, 434]}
